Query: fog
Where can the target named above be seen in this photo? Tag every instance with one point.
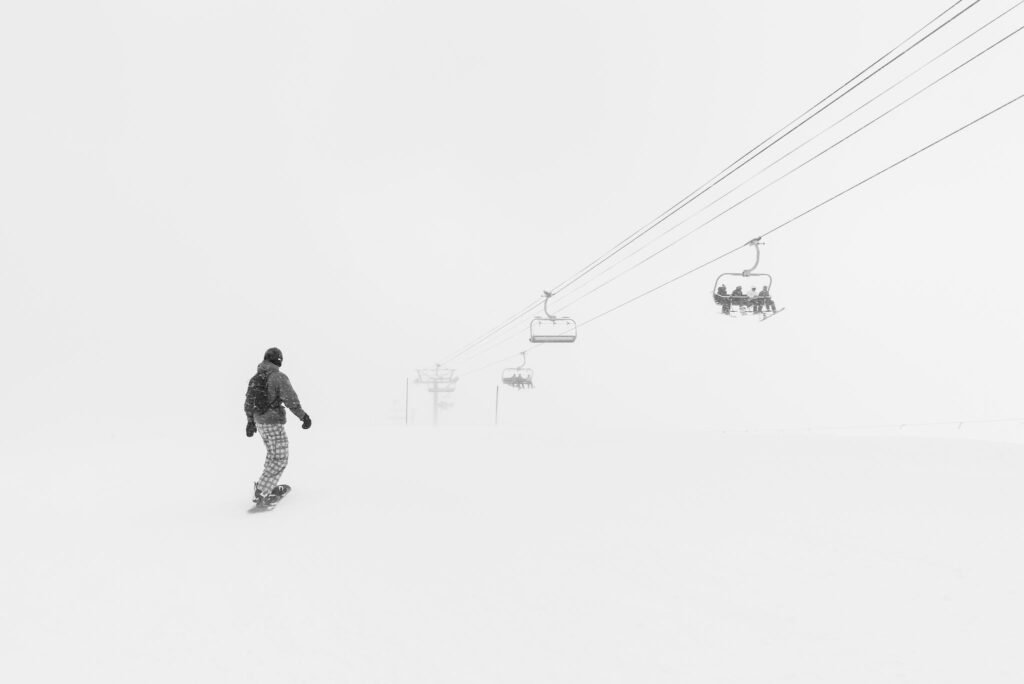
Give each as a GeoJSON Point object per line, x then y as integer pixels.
{"type": "Point", "coordinates": [508, 555]}
{"type": "Point", "coordinates": [372, 186]}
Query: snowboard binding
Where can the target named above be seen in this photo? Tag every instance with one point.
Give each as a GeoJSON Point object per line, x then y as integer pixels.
{"type": "Point", "coordinates": [268, 500]}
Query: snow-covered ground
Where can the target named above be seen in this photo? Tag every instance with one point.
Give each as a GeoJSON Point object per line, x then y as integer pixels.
{"type": "Point", "coordinates": [513, 556]}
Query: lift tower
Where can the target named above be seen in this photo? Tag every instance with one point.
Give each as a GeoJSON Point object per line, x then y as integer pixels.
{"type": "Point", "coordinates": [438, 381]}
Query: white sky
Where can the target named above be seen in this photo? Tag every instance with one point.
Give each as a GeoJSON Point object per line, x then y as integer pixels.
{"type": "Point", "coordinates": [371, 185]}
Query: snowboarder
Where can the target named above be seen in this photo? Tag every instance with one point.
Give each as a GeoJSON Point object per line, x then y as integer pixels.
{"type": "Point", "coordinates": [267, 391]}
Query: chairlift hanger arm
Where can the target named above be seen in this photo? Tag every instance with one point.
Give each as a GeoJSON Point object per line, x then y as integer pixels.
{"type": "Point", "coordinates": [756, 244]}
{"type": "Point", "coordinates": [547, 296]}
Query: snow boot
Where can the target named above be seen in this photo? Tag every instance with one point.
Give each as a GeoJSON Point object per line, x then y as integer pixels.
{"type": "Point", "coordinates": [258, 496]}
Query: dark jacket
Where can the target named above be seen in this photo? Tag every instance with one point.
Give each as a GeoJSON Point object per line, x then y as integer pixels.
{"type": "Point", "coordinates": [279, 390]}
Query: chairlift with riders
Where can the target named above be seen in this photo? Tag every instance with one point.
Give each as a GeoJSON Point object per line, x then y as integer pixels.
{"type": "Point", "coordinates": [746, 293]}
{"type": "Point", "coordinates": [547, 328]}
{"type": "Point", "coordinates": [519, 377]}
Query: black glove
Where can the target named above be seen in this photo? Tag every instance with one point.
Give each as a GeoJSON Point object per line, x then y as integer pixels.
{"type": "Point", "coordinates": [306, 422]}
{"type": "Point", "coordinates": [250, 429]}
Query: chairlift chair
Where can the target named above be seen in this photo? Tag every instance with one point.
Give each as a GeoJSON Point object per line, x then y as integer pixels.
{"type": "Point", "coordinates": [437, 374]}
{"type": "Point", "coordinates": [519, 377]}
{"type": "Point", "coordinates": [548, 329]}
{"type": "Point", "coordinates": [737, 305]}
{"type": "Point", "coordinates": [438, 379]}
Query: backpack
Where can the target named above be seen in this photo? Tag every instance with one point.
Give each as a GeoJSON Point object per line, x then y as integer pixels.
{"type": "Point", "coordinates": [257, 394]}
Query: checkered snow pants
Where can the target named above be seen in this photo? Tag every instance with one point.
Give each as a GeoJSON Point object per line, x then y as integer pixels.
{"type": "Point", "coordinates": [277, 455]}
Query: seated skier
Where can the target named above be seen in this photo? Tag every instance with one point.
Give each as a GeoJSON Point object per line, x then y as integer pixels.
{"type": "Point", "coordinates": [756, 301]}
{"type": "Point", "coordinates": [766, 299]}
{"type": "Point", "coordinates": [738, 298]}
{"type": "Point", "coordinates": [722, 297]}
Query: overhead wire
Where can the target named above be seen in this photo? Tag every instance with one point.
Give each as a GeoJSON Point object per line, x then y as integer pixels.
{"type": "Point", "coordinates": [796, 168]}
{"type": "Point", "coordinates": [799, 216]}
{"type": "Point", "coordinates": [790, 153]}
{"type": "Point", "coordinates": [781, 136]}
{"type": "Point", "coordinates": [788, 173]}
{"type": "Point", "coordinates": [739, 163]}
{"type": "Point", "coordinates": [494, 331]}
{"type": "Point", "coordinates": [741, 158]}
{"type": "Point", "coordinates": [789, 221]}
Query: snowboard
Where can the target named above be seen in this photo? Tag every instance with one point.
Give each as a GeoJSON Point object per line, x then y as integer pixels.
{"type": "Point", "coordinates": [278, 493]}
{"type": "Point", "coordinates": [772, 314]}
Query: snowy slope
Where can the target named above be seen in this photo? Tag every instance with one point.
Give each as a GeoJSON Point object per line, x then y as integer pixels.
{"type": "Point", "coordinates": [508, 556]}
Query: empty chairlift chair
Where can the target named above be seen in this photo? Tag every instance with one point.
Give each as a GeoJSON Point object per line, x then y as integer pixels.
{"type": "Point", "coordinates": [549, 329]}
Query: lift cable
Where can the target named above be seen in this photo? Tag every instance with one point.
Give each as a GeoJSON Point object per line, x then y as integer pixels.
{"type": "Point", "coordinates": [781, 135]}
{"type": "Point", "coordinates": [789, 221]}
{"type": "Point", "coordinates": [729, 170]}
{"type": "Point", "coordinates": [794, 169]}
{"type": "Point", "coordinates": [586, 294]}
{"type": "Point", "coordinates": [497, 329]}
{"type": "Point", "coordinates": [791, 152]}
{"type": "Point", "coordinates": [808, 211]}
